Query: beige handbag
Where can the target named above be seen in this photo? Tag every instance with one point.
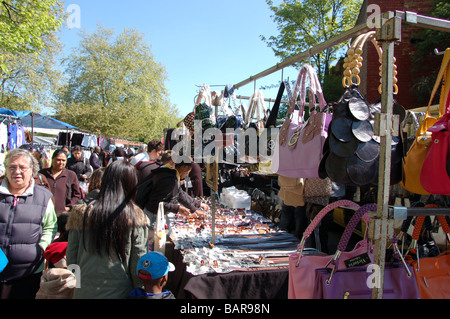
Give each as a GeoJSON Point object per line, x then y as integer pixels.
{"type": "Point", "coordinates": [291, 190]}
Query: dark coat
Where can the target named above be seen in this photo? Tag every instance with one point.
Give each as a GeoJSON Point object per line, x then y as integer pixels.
{"type": "Point", "coordinates": [166, 188]}
{"type": "Point", "coordinates": [80, 166]}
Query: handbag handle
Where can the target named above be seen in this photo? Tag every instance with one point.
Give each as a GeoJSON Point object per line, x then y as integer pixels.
{"type": "Point", "coordinates": [272, 120]}
{"type": "Point", "coordinates": [315, 89]}
{"type": "Point", "coordinates": [346, 236]}
{"type": "Point", "coordinates": [442, 77]}
{"type": "Point", "coordinates": [353, 61]}
{"type": "Point", "coordinates": [204, 94]}
{"type": "Point", "coordinates": [256, 104]}
{"type": "Point", "coordinates": [353, 223]}
{"type": "Point", "coordinates": [316, 221]}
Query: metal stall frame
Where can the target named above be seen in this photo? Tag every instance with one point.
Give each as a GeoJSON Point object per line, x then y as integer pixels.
{"type": "Point", "coordinates": [381, 224]}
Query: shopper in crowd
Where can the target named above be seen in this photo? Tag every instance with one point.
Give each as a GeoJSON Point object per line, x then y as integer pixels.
{"type": "Point", "coordinates": [66, 149]}
{"type": "Point", "coordinates": [79, 164]}
{"type": "Point", "coordinates": [107, 237]}
{"type": "Point", "coordinates": [119, 154]}
{"type": "Point", "coordinates": [63, 182]}
{"type": "Point", "coordinates": [153, 269]}
{"type": "Point", "coordinates": [194, 184]}
{"type": "Point", "coordinates": [28, 209]}
{"type": "Point", "coordinates": [95, 160]}
{"type": "Point", "coordinates": [166, 188]}
{"type": "Point", "coordinates": [95, 183]}
{"type": "Point", "coordinates": [154, 150]}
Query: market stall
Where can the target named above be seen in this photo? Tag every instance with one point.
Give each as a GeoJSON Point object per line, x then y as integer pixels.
{"type": "Point", "coordinates": [384, 131]}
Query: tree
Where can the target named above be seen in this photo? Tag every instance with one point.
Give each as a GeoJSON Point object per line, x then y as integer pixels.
{"type": "Point", "coordinates": [306, 23]}
{"type": "Point", "coordinates": [115, 87]}
{"type": "Point", "coordinates": [424, 59]}
{"type": "Point", "coordinates": [24, 23]}
{"type": "Point", "coordinates": [33, 78]}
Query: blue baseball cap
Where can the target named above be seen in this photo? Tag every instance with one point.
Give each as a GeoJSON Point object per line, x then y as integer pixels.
{"type": "Point", "coordinates": [156, 264]}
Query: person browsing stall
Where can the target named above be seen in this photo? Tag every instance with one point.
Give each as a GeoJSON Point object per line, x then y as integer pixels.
{"type": "Point", "coordinates": [153, 269]}
{"type": "Point", "coordinates": [167, 189]}
{"type": "Point", "coordinates": [108, 236]}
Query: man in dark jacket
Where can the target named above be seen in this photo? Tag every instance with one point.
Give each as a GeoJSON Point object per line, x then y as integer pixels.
{"type": "Point", "coordinates": [166, 188]}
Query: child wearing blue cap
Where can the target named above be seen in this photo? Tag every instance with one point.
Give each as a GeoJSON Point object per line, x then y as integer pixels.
{"type": "Point", "coordinates": [153, 269]}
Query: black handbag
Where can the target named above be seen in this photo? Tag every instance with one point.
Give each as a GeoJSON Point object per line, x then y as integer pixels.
{"type": "Point", "coordinates": [352, 151]}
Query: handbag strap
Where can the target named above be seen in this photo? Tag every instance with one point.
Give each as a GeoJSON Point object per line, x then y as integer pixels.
{"type": "Point", "coordinates": [256, 104]}
{"type": "Point", "coordinates": [315, 90]}
{"type": "Point", "coordinates": [353, 61]}
{"type": "Point", "coordinates": [272, 120]}
{"type": "Point", "coordinates": [316, 221]}
{"type": "Point", "coordinates": [442, 77]}
{"type": "Point", "coordinates": [350, 228]}
{"type": "Point", "coordinates": [204, 94]}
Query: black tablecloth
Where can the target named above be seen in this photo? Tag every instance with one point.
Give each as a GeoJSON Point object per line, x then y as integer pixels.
{"type": "Point", "coordinates": [249, 284]}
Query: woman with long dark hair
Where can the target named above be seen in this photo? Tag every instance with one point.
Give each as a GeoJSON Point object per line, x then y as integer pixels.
{"type": "Point", "coordinates": [107, 237]}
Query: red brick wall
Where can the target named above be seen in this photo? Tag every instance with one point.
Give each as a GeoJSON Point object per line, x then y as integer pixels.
{"type": "Point", "coordinates": [403, 52]}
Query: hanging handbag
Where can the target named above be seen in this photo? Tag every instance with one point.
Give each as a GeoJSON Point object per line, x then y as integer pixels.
{"type": "Point", "coordinates": [317, 191]}
{"type": "Point", "coordinates": [356, 281]}
{"type": "Point", "coordinates": [415, 158]}
{"type": "Point", "coordinates": [254, 119]}
{"type": "Point", "coordinates": [291, 191]}
{"type": "Point", "coordinates": [302, 266]}
{"type": "Point", "coordinates": [432, 273]}
{"type": "Point", "coordinates": [298, 150]}
{"type": "Point", "coordinates": [352, 151]}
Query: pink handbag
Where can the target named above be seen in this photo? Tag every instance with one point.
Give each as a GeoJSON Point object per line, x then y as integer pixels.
{"type": "Point", "coordinates": [298, 151]}
{"type": "Point", "coordinates": [302, 267]}
{"type": "Point", "coordinates": [356, 282]}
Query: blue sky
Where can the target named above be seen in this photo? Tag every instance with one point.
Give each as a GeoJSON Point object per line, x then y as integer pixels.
{"type": "Point", "coordinates": [198, 41]}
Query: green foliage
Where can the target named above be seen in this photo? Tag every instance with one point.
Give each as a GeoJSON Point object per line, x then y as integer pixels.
{"type": "Point", "coordinates": [425, 42]}
{"type": "Point", "coordinates": [115, 87]}
{"type": "Point", "coordinates": [307, 23]}
{"type": "Point", "coordinates": [23, 25]}
{"type": "Point", "coordinates": [33, 78]}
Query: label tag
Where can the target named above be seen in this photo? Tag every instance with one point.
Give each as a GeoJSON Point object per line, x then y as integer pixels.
{"type": "Point", "coordinates": [358, 261]}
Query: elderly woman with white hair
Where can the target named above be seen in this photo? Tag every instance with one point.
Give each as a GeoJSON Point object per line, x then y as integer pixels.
{"type": "Point", "coordinates": [28, 225]}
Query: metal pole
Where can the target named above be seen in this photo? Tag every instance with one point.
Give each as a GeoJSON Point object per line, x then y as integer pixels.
{"type": "Point", "coordinates": [344, 36]}
{"type": "Point", "coordinates": [389, 33]}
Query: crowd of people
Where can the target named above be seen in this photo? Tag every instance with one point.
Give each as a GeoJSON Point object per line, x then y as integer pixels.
{"type": "Point", "coordinates": [65, 241]}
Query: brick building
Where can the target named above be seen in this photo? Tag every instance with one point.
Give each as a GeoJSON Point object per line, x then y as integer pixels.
{"type": "Point", "coordinates": [370, 77]}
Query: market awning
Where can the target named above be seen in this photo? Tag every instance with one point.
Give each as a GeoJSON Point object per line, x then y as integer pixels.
{"type": "Point", "coordinates": [37, 120]}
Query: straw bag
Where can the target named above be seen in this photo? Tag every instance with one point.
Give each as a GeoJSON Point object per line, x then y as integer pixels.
{"type": "Point", "coordinates": [415, 158]}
